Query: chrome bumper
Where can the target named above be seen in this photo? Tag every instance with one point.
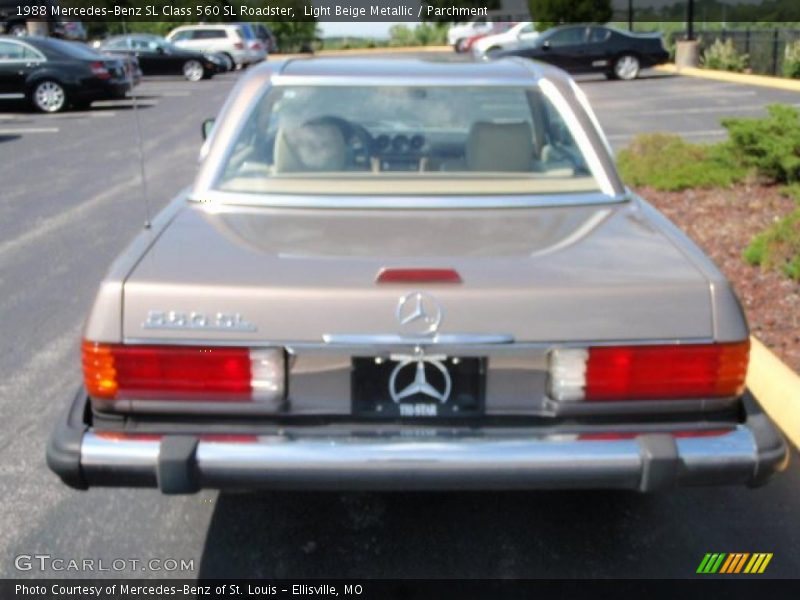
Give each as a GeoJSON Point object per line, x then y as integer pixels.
{"type": "Point", "coordinates": [454, 459]}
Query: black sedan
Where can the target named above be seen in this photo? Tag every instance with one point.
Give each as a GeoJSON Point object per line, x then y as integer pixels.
{"type": "Point", "coordinates": [53, 74]}
{"type": "Point", "coordinates": [594, 49]}
{"type": "Point", "coordinates": [158, 56]}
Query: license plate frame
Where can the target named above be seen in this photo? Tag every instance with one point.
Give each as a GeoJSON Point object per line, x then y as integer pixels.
{"type": "Point", "coordinates": [372, 381]}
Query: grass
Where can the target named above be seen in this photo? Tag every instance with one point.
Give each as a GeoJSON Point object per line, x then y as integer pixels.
{"type": "Point", "coordinates": [668, 162]}
{"type": "Point", "coordinates": [778, 247]}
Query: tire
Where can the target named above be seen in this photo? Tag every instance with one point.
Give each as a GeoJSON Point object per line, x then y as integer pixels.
{"type": "Point", "coordinates": [208, 74]}
{"type": "Point", "coordinates": [626, 67]}
{"type": "Point", "coordinates": [193, 70]}
{"type": "Point", "coordinates": [231, 62]}
{"type": "Point", "coordinates": [457, 46]}
{"type": "Point", "coordinates": [48, 96]}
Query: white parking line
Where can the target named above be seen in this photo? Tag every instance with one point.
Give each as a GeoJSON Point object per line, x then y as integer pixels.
{"type": "Point", "coordinates": [16, 130]}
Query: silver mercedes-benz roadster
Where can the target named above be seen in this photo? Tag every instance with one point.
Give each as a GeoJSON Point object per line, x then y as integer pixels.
{"type": "Point", "coordinates": [403, 274]}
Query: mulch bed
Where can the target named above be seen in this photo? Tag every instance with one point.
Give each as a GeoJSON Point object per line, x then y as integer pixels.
{"type": "Point", "coordinates": [722, 222]}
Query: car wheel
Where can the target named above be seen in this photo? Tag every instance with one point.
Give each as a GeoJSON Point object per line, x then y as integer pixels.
{"type": "Point", "coordinates": [49, 96]}
{"type": "Point", "coordinates": [193, 70]}
{"type": "Point", "coordinates": [18, 29]}
{"type": "Point", "coordinates": [626, 67]}
{"type": "Point", "coordinates": [458, 46]}
{"type": "Point", "coordinates": [231, 63]}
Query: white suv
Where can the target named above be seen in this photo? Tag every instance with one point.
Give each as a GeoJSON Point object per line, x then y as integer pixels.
{"type": "Point", "coordinates": [230, 39]}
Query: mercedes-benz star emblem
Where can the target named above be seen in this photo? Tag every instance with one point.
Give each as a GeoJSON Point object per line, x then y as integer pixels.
{"type": "Point", "coordinates": [419, 314]}
{"type": "Point", "coordinates": [420, 384]}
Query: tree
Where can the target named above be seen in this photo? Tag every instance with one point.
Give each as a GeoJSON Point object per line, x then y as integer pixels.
{"type": "Point", "coordinates": [546, 13]}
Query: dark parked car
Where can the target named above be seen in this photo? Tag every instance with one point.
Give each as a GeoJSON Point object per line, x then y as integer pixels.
{"type": "Point", "coordinates": [264, 33]}
{"type": "Point", "coordinates": [158, 56]}
{"type": "Point", "coordinates": [53, 74]}
{"type": "Point", "coordinates": [594, 49]}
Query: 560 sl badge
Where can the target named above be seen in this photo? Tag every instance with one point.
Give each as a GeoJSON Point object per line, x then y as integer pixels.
{"type": "Point", "coordinates": [173, 319]}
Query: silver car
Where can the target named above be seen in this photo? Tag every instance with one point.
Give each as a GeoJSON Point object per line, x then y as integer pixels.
{"type": "Point", "coordinates": [403, 274]}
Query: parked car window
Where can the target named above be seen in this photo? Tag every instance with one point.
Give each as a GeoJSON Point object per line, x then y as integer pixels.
{"type": "Point", "coordinates": [182, 36]}
{"type": "Point", "coordinates": [567, 37]}
{"type": "Point", "coordinates": [527, 28]}
{"type": "Point", "coordinates": [117, 44]}
{"type": "Point", "coordinates": [496, 139]}
{"type": "Point", "coordinates": [597, 35]}
{"type": "Point", "coordinates": [209, 34]}
{"type": "Point", "coordinates": [14, 51]}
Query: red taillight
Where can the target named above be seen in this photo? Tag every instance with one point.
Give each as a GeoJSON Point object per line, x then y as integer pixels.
{"type": "Point", "coordinates": [256, 46]}
{"type": "Point", "coordinates": [392, 275]}
{"type": "Point", "coordinates": [116, 371]}
{"type": "Point", "coordinates": [609, 373]}
{"type": "Point", "coordinates": [100, 71]}
{"type": "Point", "coordinates": [238, 45]}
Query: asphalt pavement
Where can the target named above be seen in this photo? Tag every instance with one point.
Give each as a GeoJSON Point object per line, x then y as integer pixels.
{"type": "Point", "coordinates": [71, 199]}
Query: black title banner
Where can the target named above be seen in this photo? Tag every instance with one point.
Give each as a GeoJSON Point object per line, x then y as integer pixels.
{"type": "Point", "coordinates": [179, 589]}
{"type": "Point", "coordinates": [728, 11]}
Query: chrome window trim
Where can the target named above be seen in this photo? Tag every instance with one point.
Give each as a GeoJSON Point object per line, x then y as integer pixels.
{"type": "Point", "coordinates": [338, 347]}
{"type": "Point", "coordinates": [561, 104]}
{"type": "Point", "coordinates": [216, 198]}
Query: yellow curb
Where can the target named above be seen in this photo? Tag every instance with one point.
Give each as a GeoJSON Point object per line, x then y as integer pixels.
{"type": "Point", "coordinates": [791, 85]}
{"type": "Point", "coordinates": [389, 49]}
{"type": "Point", "coordinates": [777, 389]}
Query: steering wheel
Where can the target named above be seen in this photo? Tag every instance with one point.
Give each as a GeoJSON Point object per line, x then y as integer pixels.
{"type": "Point", "coordinates": [358, 140]}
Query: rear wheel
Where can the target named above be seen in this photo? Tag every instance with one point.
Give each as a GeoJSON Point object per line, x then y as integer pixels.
{"type": "Point", "coordinates": [458, 46]}
{"type": "Point", "coordinates": [626, 67]}
{"type": "Point", "coordinates": [231, 63]}
{"type": "Point", "coordinates": [193, 70]}
{"type": "Point", "coordinates": [49, 96]}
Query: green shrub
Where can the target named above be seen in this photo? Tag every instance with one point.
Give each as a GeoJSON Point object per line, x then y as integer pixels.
{"type": "Point", "coordinates": [667, 162]}
{"type": "Point", "coordinates": [770, 144]}
{"type": "Point", "coordinates": [778, 247]}
{"type": "Point", "coordinates": [723, 56]}
{"type": "Point", "coordinates": [791, 60]}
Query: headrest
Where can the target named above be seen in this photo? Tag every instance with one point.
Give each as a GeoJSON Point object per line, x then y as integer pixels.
{"type": "Point", "coordinates": [310, 147]}
{"type": "Point", "coordinates": [500, 147]}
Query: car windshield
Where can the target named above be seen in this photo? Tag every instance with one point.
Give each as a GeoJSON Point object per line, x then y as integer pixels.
{"type": "Point", "coordinates": [73, 49]}
{"type": "Point", "coordinates": [406, 140]}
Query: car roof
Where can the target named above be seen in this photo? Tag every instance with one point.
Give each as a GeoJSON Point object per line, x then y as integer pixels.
{"type": "Point", "coordinates": [504, 71]}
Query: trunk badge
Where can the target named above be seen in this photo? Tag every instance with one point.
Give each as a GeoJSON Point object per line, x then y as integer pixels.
{"type": "Point", "coordinates": [419, 314]}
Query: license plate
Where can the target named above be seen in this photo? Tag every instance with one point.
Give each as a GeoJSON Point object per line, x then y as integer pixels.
{"type": "Point", "coordinates": [418, 387]}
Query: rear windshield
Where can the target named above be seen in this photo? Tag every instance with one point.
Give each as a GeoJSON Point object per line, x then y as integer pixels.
{"type": "Point", "coordinates": [396, 139]}
{"type": "Point", "coordinates": [74, 49]}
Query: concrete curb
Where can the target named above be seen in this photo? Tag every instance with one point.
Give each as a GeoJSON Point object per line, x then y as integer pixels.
{"type": "Point", "coordinates": [791, 85]}
{"type": "Point", "coordinates": [392, 50]}
{"type": "Point", "coordinates": [777, 389]}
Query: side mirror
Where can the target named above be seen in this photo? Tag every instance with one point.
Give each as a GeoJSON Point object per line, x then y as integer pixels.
{"type": "Point", "coordinates": [207, 128]}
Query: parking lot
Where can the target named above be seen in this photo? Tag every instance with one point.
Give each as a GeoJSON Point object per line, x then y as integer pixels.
{"type": "Point", "coordinates": [72, 198]}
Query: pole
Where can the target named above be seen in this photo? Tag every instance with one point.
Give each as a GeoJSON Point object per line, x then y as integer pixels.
{"type": "Point", "coordinates": [690, 19]}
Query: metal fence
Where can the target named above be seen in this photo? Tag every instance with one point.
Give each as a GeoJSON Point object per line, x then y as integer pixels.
{"type": "Point", "coordinates": [766, 48]}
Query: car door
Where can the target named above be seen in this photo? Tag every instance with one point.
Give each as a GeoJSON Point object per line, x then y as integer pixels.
{"type": "Point", "coordinates": [599, 51]}
{"type": "Point", "coordinates": [17, 61]}
{"type": "Point", "coordinates": [150, 61]}
{"type": "Point", "coordinates": [565, 48]}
